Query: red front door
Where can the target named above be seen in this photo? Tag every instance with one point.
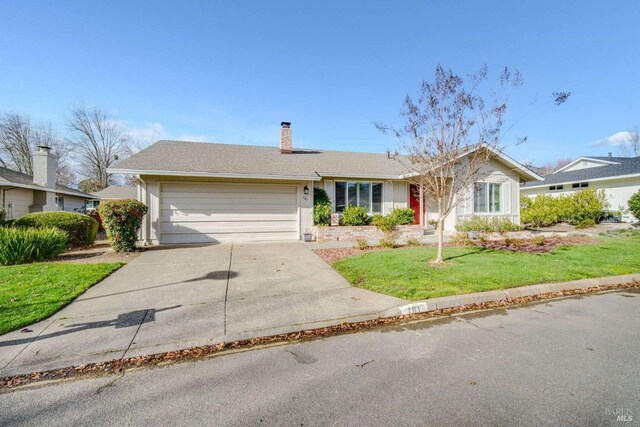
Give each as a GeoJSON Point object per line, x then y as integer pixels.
{"type": "Point", "coordinates": [414, 202]}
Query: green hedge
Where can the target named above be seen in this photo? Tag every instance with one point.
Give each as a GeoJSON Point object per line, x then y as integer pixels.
{"type": "Point", "coordinates": [81, 229]}
{"type": "Point", "coordinates": [24, 245]}
{"type": "Point", "coordinates": [122, 220]}
{"type": "Point", "coordinates": [634, 205]}
{"type": "Point", "coordinates": [402, 216]}
{"type": "Point", "coordinates": [545, 210]}
{"type": "Point", "coordinates": [484, 224]}
{"type": "Point", "coordinates": [354, 215]}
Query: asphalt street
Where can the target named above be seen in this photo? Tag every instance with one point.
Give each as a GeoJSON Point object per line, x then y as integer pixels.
{"type": "Point", "coordinates": [571, 361]}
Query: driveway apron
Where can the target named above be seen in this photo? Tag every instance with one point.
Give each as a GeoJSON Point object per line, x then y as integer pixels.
{"type": "Point", "coordinates": [174, 298]}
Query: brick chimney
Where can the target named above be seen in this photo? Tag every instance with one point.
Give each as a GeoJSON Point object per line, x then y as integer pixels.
{"type": "Point", "coordinates": [285, 138]}
{"type": "Point", "coordinates": [44, 175]}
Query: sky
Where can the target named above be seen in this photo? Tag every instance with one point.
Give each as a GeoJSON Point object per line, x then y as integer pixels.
{"type": "Point", "coordinates": [231, 71]}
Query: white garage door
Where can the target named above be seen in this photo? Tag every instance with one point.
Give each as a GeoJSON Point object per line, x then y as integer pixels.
{"type": "Point", "coordinates": [192, 213]}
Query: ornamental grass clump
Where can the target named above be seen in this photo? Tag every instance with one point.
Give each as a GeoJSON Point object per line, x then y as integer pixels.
{"type": "Point", "coordinates": [122, 220]}
{"type": "Point", "coordinates": [25, 245]}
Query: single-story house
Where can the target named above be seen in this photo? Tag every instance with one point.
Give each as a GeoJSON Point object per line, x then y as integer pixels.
{"type": "Point", "coordinates": [21, 194]}
{"type": "Point", "coordinates": [112, 192]}
{"type": "Point", "coordinates": [206, 192]}
{"type": "Point", "coordinates": [619, 177]}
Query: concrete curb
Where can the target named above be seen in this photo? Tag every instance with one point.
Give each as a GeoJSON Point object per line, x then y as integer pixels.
{"type": "Point", "coordinates": [503, 294]}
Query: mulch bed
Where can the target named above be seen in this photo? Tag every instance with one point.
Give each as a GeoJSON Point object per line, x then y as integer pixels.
{"type": "Point", "coordinates": [330, 256]}
{"type": "Point", "coordinates": [532, 246]}
{"type": "Point", "coordinates": [116, 366]}
{"type": "Point", "coordinates": [100, 251]}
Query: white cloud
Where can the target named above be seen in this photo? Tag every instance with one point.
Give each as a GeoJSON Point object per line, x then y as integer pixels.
{"type": "Point", "coordinates": [194, 138]}
{"type": "Point", "coordinates": [616, 140]}
{"type": "Point", "coordinates": [150, 133]}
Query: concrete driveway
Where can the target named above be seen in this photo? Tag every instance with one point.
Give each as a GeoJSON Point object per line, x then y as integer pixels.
{"type": "Point", "coordinates": [174, 298]}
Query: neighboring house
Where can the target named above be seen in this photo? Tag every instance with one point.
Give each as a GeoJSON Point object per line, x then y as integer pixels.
{"type": "Point", "coordinates": [21, 194]}
{"type": "Point", "coordinates": [112, 192]}
{"type": "Point", "coordinates": [204, 192]}
{"type": "Point", "coordinates": [619, 177]}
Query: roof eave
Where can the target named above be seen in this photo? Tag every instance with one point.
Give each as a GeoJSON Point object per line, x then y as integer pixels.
{"type": "Point", "coordinates": [214, 174]}
{"type": "Point", "coordinates": [571, 181]}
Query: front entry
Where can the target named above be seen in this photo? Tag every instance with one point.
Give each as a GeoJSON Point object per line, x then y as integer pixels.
{"type": "Point", "coordinates": [414, 202]}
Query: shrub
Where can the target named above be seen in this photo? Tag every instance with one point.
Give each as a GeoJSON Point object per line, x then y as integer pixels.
{"type": "Point", "coordinates": [545, 210]}
{"type": "Point", "coordinates": [461, 239]}
{"type": "Point", "coordinates": [322, 214]}
{"type": "Point", "coordinates": [402, 216]}
{"type": "Point", "coordinates": [320, 197]}
{"type": "Point", "coordinates": [362, 244]}
{"type": "Point", "coordinates": [23, 245]}
{"type": "Point", "coordinates": [540, 211]}
{"type": "Point", "coordinates": [354, 215]}
{"type": "Point", "coordinates": [387, 241]}
{"type": "Point", "coordinates": [95, 215]}
{"type": "Point", "coordinates": [486, 224]}
{"type": "Point", "coordinates": [81, 229]}
{"type": "Point", "coordinates": [413, 242]}
{"type": "Point", "coordinates": [383, 222]}
{"type": "Point", "coordinates": [585, 204]}
{"type": "Point", "coordinates": [3, 216]}
{"type": "Point", "coordinates": [538, 240]}
{"type": "Point", "coordinates": [585, 223]}
{"type": "Point", "coordinates": [634, 205]}
{"type": "Point", "coordinates": [122, 220]}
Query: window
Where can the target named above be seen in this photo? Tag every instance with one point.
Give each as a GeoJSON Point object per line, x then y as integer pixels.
{"type": "Point", "coordinates": [60, 202]}
{"type": "Point", "coordinates": [579, 185]}
{"type": "Point", "coordinates": [487, 198]}
{"type": "Point", "coordinates": [365, 194]}
{"type": "Point", "coordinates": [92, 204]}
{"type": "Point", "coordinates": [556, 187]}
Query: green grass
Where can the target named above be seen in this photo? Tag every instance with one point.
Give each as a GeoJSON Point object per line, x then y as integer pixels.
{"type": "Point", "coordinates": [404, 273]}
{"type": "Point", "coordinates": [32, 292]}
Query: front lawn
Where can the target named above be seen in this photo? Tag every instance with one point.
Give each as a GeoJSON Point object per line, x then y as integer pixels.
{"type": "Point", "coordinates": [32, 292]}
{"type": "Point", "coordinates": [404, 273]}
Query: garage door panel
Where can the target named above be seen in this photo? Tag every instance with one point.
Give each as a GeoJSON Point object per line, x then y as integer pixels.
{"type": "Point", "coordinates": [226, 227]}
{"type": "Point", "coordinates": [191, 203]}
{"type": "Point", "coordinates": [222, 188]}
{"type": "Point", "coordinates": [167, 216]}
{"type": "Point", "coordinates": [227, 237]}
{"type": "Point", "coordinates": [194, 213]}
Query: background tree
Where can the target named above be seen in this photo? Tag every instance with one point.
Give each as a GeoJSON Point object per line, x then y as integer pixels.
{"type": "Point", "coordinates": [450, 132]}
{"type": "Point", "coordinates": [98, 141]}
{"type": "Point", "coordinates": [551, 167]}
{"type": "Point", "coordinates": [19, 138]}
{"type": "Point", "coordinates": [633, 143]}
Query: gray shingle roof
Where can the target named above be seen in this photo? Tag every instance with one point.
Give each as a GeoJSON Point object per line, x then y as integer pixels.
{"type": "Point", "coordinates": [116, 192]}
{"type": "Point", "coordinates": [623, 166]}
{"type": "Point", "coordinates": [22, 179]}
{"type": "Point", "coordinates": [198, 157]}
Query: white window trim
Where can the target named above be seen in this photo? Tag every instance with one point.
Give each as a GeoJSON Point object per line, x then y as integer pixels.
{"type": "Point", "coordinates": [502, 207]}
{"type": "Point", "coordinates": [346, 194]}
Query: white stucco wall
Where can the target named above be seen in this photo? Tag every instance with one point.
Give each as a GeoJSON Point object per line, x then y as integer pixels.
{"type": "Point", "coordinates": [72, 203]}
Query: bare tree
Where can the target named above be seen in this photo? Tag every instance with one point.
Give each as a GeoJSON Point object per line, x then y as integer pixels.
{"type": "Point", "coordinates": [15, 141]}
{"type": "Point", "coordinates": [633, 145]}
{"type": "Point", "coordinates": [98, 141]}
{"type": "Point", "coordinates": [19, 138]}
{"type": "Point", "coordinates": [551, 167]}
{"type": "Point", "coordinates": [450, 132]}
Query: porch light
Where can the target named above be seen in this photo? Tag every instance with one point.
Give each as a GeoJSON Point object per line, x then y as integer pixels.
{"type": "Point", "coordinates": [306, 190]}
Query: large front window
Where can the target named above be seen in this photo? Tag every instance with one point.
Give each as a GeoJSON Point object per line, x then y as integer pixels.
{"type": "Point", "coordinates": [487, 198]}
{"type": "Point", "coordinates": [365, 194]}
